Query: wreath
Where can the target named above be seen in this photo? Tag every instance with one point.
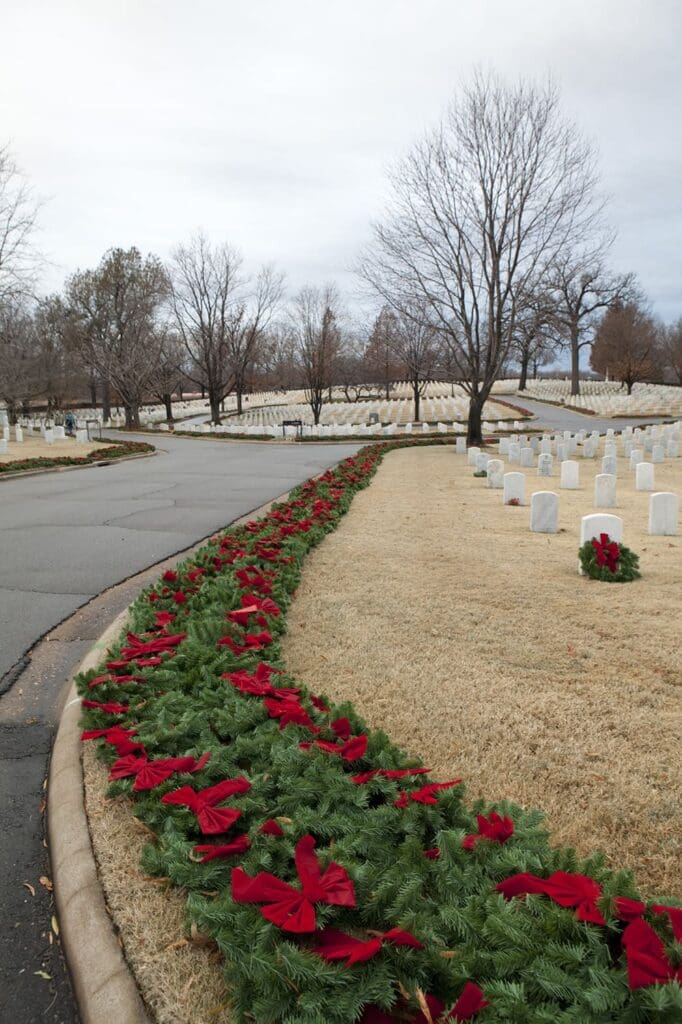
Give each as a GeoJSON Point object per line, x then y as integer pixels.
{"type": "Point", "coordinates": [607, 560]}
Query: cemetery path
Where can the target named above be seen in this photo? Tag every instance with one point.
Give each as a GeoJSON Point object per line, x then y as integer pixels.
{"type": "Point", "coordinates": [64, 539]}
{"type": "Point", "coordinates": [553, 417]}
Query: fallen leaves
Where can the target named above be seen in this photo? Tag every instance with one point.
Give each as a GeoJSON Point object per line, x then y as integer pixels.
{"type": "Point", "coordinates": [27, 885]}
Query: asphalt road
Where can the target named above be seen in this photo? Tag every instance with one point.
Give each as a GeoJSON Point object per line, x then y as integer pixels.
{"type": "Point", "coordinates": [64, 538]}
{"type": "Point", "coordinates": [553, 417]}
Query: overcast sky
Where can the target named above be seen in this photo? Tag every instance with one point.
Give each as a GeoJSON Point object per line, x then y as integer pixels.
{"type": "Point", "coordinates": [270, 123]}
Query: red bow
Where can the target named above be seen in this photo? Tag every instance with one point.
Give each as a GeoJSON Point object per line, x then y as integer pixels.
{"type": "Point", "coordinates": [331, 944]}
{"type": "Point", "coordinates": [567, 890]}
{"type": "Point", "coordinates": [163, 618]}
{"type": "Point", "coordinates": [293, 910]}
{"type": "Point", "coordinates": [608, 552]}
{"type": "Point", "coordinates": [109, 709]}
{"type": "Point", "coordinates": [425, 795]}
{"type": "Point", "coordinates": [647, 961]}
{"type": "Point", "coordinates": [259, 683]}
{"type": "Point", "coordinates": [470, 1002]}
{"type": "Point", "coordinates": [118, 737]}
{"type": "Point", "coordinates": [252, 605]}
{"type": "Point", "coordinates": [629, 910]}
{"type": "Point", "coordinates": [494, 828]}
{"type": "Point", "coordinates": [150, 774]}
{"type": "Point", "coordinates": [252, 642]}
{"type": "Point", "coordinates": [260, 581]}
{"type": "Point", "coordinates": [212, 820]}
{"type": "Point", "coordinates": [140, 648]}
{"type": "Point", "coordinates": [107, 678]}
{"type": "Point", "coordinates": [352, 750]}
{"type": "Point", "coordinates": [239, 845]}
{"type": "Point", "coordinates": [271, 828]}
{"type": "Point", "coordinates": [289, 711]}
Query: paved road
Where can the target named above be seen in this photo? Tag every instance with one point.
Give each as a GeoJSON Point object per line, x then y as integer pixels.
{"type": "Point", "coordinates": [553, 417]}
{"type": "Point", "coordinates": [65, 537]}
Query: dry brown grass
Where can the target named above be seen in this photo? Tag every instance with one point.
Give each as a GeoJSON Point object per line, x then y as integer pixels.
{"type": "Point", "coordinates": [475, 643]}
{"type": "Point", "coordinates": [36, 448]}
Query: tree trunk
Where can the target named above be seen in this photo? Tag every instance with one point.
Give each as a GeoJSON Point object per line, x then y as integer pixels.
{"type": "Point", "coordinates": [474, 430]}
{"type": "Point", "coordinates": [417, 399]}
{"type": "Point", "coordinates": [523, 382]}
{"type": "Point", "coordinates": [628, 384]}
{"type": "Point", "coordinates": [93, 392]}
{"type": "Point", "coordinates": [388, 390]}
{"type": "Point", "coordinates": [168, 402]}
{"type": "Point", "coordinates": [575, 360]}
{"type": "Point", "coordinates": [214, 401]}
{"type": "Point", "coordinates": [238, 390]}
{"type": "Point", "coordinates": [106, 401]}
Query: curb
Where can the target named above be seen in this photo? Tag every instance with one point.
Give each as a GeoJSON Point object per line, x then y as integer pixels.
{"type": "Point", "coordinates": [88, 936]}
{"type": "Point", "coordinates": [67, 469]}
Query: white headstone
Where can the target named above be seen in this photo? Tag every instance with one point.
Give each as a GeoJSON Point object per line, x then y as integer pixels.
{"type": "Point", "coordinates": [514, 452]}
{"type": "Point", "coordinates": [481, 461]}
{"type": "Point", "coordinates": [514, 485]}
{"type": "Point", "coordinates": [594, 525]}
{"type": "Point", "coordinates": [657, 453]}
{"type": "Point", "coordinates": [609, 464]}
{"type": "Point", "coordinates": [544, 512]}
{"type": "Point", "coordinates": [59, 433]}
{"type": "Point", "coordinates": [545, 446]}
{"type": "Point", "coordinates": [672, 449]}
{"type": "Point", "coordinates": [570, 475]}
{"type": "Point", "coordinates": [561, 451]}
{"type": "Point", "coordinates": [495, 469]}
{"type": "Point", "coordinates": [461, 445]}
{"type": "Point", "coordinates": [3, 446]}
{"type": "Point", "coordinates": [81, 437]}
{"type": "Point", "coordinates": [604, 490]}
{"type": "Point", "coordinates": [644, 476]}
{"type": "Point", "coordinates": [636, 457]}
{"type": "Point", "coordinates": [19, 434]}
{"type": "Point", "coordinates": [589, 449]}
{"type": "Point", "coordinates": [49, 436]}
{"type": "Point", "coordinates": [664, 511]}
{"type": "Point", "coordinates": [472, 455]}
{"type": "Point", "coordinates": [526, 457]}
{"type": "Point", "coordinates": [545, 462]}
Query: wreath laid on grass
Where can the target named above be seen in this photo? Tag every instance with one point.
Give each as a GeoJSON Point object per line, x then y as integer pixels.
{"type": "Point", "coordinates": [341, 884]}
{"type": "Point", "coordinates": [607, 560]}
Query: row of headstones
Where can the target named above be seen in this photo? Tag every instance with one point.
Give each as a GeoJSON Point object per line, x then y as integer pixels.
{"type": "Point", "coordinates": [49, 435]}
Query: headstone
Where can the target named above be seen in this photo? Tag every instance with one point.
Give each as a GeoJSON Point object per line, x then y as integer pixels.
{"type": "Point", "coordinates": [481, 462]}
{"type": "Point", "coordinates": [570, 475]}
{"type": "Point", "coordinates": [664, 511]}
{"type": "Point", "coordinates": [609, 464]}
{"type": "Point", "coordinates": [495, 469]}
{"type": "Point", "coordinates": [5, 433]}
{"type": "Point", "coordinates": [19, 434]}
{"type": "Point", "coordinates": [589, 449]}
{"type": "Point", "coordinates": [544, 512]}
{"type": "Point", "coordinates": [461, 445]}
{"type": "Point", "coordinates": [59, 433]}
{"type": "Point", "coordinates": [636, 457]}
{"type": "Point", "coordinates": [657, 454]}
{"type": "Point", "coordinates": [601, 522]}
{"type": "Point", "coordinates": [503, 446]}
{"type": "Point", "coordinates": [545, 446]}
{"type": "Point", "coordinates": [561, 451]}
{"type": "Point", "coordinates": [3, 446]}
{"type": "Point", "coordinates": [604, 490]}
{"type": "Point", "coordinates": [545, 461]}
{"type": "Point", "coordinates": [644, 476]}
{"type": "Point", "coordinates": [472, 455]}
{"type": "Point", "coordinates": [610, 449]}
{"type": "Point", "coordinates": [81, 437]}
{"type": "Point", "coordinates": [514, 488]}
{"type": "Point", "coordinates": [514, 453]}
{"type": "Point", "coordinates": [673, 449]}
{"type": "Point", "coordinates": [534, 445]}
{"type": "Point", "coordinates": [526, 457]}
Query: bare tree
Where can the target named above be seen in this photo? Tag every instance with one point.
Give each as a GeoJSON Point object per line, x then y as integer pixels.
{"type": "Point", "coordinates": [250, 316]}
{"type": "Point", "coordinates": [381, 350]}
{"type": "Point", "coordinates": [417, 347]}
{"type": "Point", "coordinates": [118, 309]}
{"type": "Point", "coordinates": [626, 345]}
{"type": "Point", "coordinates": [61, 371]}
{"type": "Point", "coordinates": [18, 211]}
{"type": "Point", "coordinates": [19, 359]}
{"type": "Point", "coordinates": [536, 341]}
{"type": "Point", "coordinates": [583, 288]}
{"type": "Point", "coordinates": [168, 376]}
{"type": "Point", "coordinates": [480, 209]}
{"type": "Point", "coordinates": [314, 321]}
{"type": "Point", "coordinates": [672, 349]}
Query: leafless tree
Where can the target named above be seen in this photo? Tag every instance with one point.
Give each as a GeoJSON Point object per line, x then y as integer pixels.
{"type": "Point", "coordinates": [626, 344]}
{"type": "Point", "coordinates": [314, 321]}
{"type": "Point", "coordinates": [381, 355]}
{"type": "Point", "coordinates": [671, 343]}
{"type": "Point", "coordinates": [536, 342]}
{"type": "Point", "coordinates": [480, 209]}
{"type": "Point", "coordinates": [418, 349]}
{"type": "Point", "coordinates": [18, 211]}
{"type": "Point", "coordinates": [221, 314]}
{"type": "Point", "coordinates": [19, 358]}
{"type": "Point", "coordinates": [583, 288]}
{"type": "Point", "coordinates": [167, 378]}
{"type": "Point", "coordinates": [118, 308]}
{"type": "Point", "coordinates": [60, 370]}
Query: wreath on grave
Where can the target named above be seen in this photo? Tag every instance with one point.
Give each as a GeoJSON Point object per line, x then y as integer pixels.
{"type": "Point", "coordinates": [607, 560]}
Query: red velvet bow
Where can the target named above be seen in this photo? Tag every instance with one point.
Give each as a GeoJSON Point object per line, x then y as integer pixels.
{"type": "Point", "coordinates": [331, 944]}
{"type": "Point", "coordinates": [150, 774]}
{"type": "Point", "coordinates": [163, 618]}
{"type": "Point", "coordinates": [352, 750]}
{"type": "Point", "coordinates": [169, 576]}
{"type": "Point", "coordinates": [107, 678]}
{"type": "Point", "coordinates": [293, 910]}
{"type": "Point", "coordinates": [252, 642]}
{"type": "Point", "coordinates": [425, 795]}
{"type": "Point", "coordinates": [289, 711]}
{"type": "Point", "coordinates": [253, 605]}
{"type": "Point", "coordinates": [647, 961]}
{"type": "Point", "coordinates": [387, 773]}
{"type": "Point", "coordinates": [470, 1002]}
{"type": "Point", "coordinates": [212, 819]}
{"type": "Point", "coordinates": [271, 828]}
{"type": "Point", "coordinates": [259, 581]}
{"type": "Point", "coordinates": [607, 552]}
{"type": "Point", "coordinates": [109, 709]}
{"type": "Point", "coordinates": [141, 648]}
{"type": "Point", "coordinates": [567, 890]}
{"type": "Point", "coordinates": [629, 910]}
{"type": "Point", "coordinates": [258, 683]}
{"type": "Point", "coordinates": [239, 845]}
{"type": "Point", "coordinates": [494, 828]}
{"type": "Point", "coordinates": [118, 737]}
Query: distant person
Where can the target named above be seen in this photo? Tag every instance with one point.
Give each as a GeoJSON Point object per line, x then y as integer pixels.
{"type": "Point", "coordinates": [70, 424]}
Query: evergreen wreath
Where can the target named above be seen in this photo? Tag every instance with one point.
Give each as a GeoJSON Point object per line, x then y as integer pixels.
{"type": "Point", "coordinates": [609, 561]}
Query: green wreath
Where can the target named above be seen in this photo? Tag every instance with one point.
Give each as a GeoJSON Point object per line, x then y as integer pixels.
{"type": "Point", "coordinates": [609, 561]}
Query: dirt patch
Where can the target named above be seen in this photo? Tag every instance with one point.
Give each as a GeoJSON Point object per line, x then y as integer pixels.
{"type": "Point", "coordinates": [181, 983]}
{"type": "Point", "coordinates": [473, 642]}
{"type": "Point", "coordinates": [36, 448]}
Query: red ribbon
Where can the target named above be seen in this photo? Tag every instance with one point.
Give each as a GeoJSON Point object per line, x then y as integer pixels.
{"type": "Point", "coordinates": [425, 795]}
{"type": "Point", "coordinates": [647, 961]}
{"type": "Point", "coordinates": [291, 909]}
{"type": "Point", "coordinates": [494, 828]}
{"type": "Point", "coordinates": [331, 945]}
{"type": "Point", "coordinates": [567, 890]}
{"type": "Point", "coordinates": [471, 1001]}
{"type": "Point", "coordinates": [212, 819]}
{"type": "Point", "coordinates": [258, 682]}
{"type": "Point", "coordinates": [607, 552]}
{"type": "Point", "coordinates": [239, 845]}
{"type": "Point", "coordinates": [150, 774]}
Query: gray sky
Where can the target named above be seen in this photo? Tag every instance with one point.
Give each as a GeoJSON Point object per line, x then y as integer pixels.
{"type": "Point", "coordinates": [269, 123]}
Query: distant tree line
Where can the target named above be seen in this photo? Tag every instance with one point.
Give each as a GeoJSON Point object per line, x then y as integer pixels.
{"type": "Point", "coordinates": [491, 258]}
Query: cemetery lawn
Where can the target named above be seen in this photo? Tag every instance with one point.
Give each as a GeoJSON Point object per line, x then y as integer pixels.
{"type": "Point", "coordinates": [35, 448]}
{"type": "Point", "coordinates": [475, 644]}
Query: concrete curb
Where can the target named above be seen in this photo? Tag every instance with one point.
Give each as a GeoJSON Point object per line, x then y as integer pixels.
{"type": "Point", "coordinates": [104, 986]}
{"type": "Point", "coordinates": [67, 469]}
